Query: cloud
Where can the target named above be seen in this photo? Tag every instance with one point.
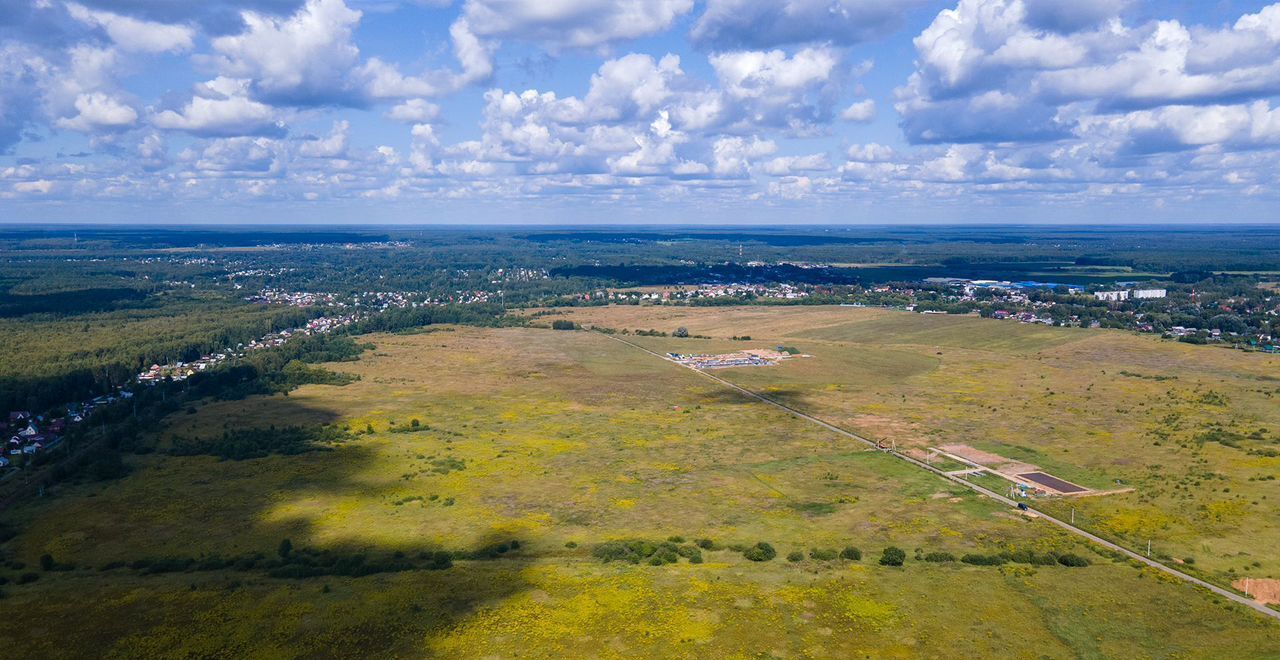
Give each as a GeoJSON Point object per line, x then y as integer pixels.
{"type": "Point", "coordinates": [761, 24]}
{"type": "Point", "coordinates": [772, 89]}
{"type": "Point", "coordinates": [310, 59]}
{"type": "Point", "coordinates": [572, 23]}
{"type": "Point", "coordinates": [869, 153]}
{"type": "Point", "coordinates": [632, 85]}
{"type": "Point", "coordinates": [860, 112]}
{"type": "Point", "coordinates": [222, 108]}
{"type": "Point", "coordinates": [38, 187]}
{"type": "Point", "coordinates": [787, 165]}
{"type": "Point", "coordinates": [332, 146]}
{"type": "Point", "coordinates": [21, 69]}
{"type": "Point", "coordinates": [655, 151]}
{"type": "Point", "coordinates": [241, 156]}
{"type": "Point", "coordinates": [306, 58]}
{"type": "Point", "coordinates": [414, 111]}
{"type": "Point", "coordinates": [97, 111]}
{"type": "Point", "coordinates": [131, 34]}
{"type": "Point", "coordinates": [215, 17]}
{"type": "Point", "coordinates": [991, 70]}
{"type": "Point", "coordinates": [734, 155]}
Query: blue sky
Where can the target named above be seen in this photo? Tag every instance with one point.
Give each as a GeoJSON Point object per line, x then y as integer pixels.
{"type": "Point", "coordinates": [649, 111]}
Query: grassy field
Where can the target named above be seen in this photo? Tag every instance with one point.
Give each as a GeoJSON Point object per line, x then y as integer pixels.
{"type": "Point", "coordinates": [1195, 430]}
{"type": "Point", "coordinates": [564, 441]}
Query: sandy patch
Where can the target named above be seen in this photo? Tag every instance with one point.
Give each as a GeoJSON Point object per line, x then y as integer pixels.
{"type": "Point", "coordinates": [1263, 590]}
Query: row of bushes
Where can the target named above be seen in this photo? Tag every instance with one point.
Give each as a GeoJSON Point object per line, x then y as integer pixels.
{"type": "Point", "coordinates": [668, 552]}
{"type": "Point", "coordinates": [1017, 557]}
{"type": "Point", "coordinates": [310, 562]}
{"type": "Point", "coordinates": [850, 553]}
{"type": "Point", "coordinates": [241, 444]}
{"type": "Point", "coordinates": [649, 552]}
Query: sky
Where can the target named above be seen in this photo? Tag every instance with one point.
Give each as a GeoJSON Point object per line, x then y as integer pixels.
{"type": "Point", "coordinates": [639, 111]}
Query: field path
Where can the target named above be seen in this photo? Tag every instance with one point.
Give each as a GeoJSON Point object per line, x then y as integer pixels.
{"type": "Point", "coordinates": [1234, 597]}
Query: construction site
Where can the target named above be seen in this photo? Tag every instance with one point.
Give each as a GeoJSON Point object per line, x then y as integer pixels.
{"type": "Point", "coordinates": [1026, 479]}
{"type": "Point", "coordinates": [755, 357]}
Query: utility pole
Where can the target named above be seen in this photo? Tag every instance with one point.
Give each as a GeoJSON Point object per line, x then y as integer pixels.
{"type": "Point", "coordinates": [1073, 515]}
{"type": "Point", "coordinates": [1148, 547]}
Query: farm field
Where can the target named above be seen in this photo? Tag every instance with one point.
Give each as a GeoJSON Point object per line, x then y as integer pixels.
{"type": "Point", "coordinates": [1194, 430]}
{"type": "Point", "coordinates": [562, 442]}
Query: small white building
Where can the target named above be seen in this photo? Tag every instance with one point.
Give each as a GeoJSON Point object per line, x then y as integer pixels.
{"type": "Point", "coordinates": [1111, 296]}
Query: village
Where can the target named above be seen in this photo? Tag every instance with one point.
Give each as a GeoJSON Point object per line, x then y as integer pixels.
{"type": "Point", "coordinates": [30, 434]}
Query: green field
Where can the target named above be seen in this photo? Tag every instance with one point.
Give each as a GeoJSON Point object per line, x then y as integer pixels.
{"type": "Point", "coordinates": [1195, 430]}
{"type": "Point", "coordinates": [564, 441]}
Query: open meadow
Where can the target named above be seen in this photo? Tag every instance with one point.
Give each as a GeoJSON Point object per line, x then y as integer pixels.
{"type": "Point", "coordinates": [530, 456]}
{"type": "Point", "coordinates": [1193, 430]}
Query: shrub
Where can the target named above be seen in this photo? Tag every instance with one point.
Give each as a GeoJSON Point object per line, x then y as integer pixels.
{"type": "Point", "coordinates": [27, 578]}
{"type": "Point", "coordinates": [1074, 561]}
{"type": "Point", "coordinates": [822, 555]}
{"type": "Point", "coordinates": [1029, 557]}
{"type": "Point", "coordinates": [655, 554]}
{"type": "Point", "coordinates": [983, 560]}
{"type": "Point", "coordinates": [707, 544]}
{"type": "Point", "coordinates": [46, 562]}
{"type": "Point", "coordinates": [893, 556]}
{"type": "Point", "coordinates": [851, 553]}
{"type": "Point", "coordinates": [795, 556]}
{"type": "Point", "coordinates": [690, 552]}
{"type": "Point", "coordinates": [760, 552]}
{"type": "Point", "coordinates": [562, 324]}
{"type": "Point", "coordinates": [286, 546]}
{"type": "Point", "coordinates": [939, 557]}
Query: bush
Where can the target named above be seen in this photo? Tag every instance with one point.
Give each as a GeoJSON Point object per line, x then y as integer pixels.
{"type": "Point", "coordinates": [690, 552]}
{"type": "Point", "coordinates": [851, 553]}
{"type": "Point", "coordinates": [822, 555]}
{"type": "Point", "coordinates": [795, 556]}
{"type": "Point", "coordinates": [939, 557]}
{"type": "Point", "coordinates": [1029, 557]}
{"type": "Point", "coordinates": [760, 552]}
{"type": "Point", "coordinates": [983, 560]}
{"type": "Point", "coordinates": [707, 544]}
{"type": "Point", "coordinates": [655, 554]}
{"type": "Point", "coordinates": [27, 578]}
{"type": "Point", "coordinates": [562, 324]}
{"type": "Point", "coordinates": [1075, 561]}
{"type": "Point", "coordinates": [286, 546]}
{"type": "Point", "coordinates": [893, 556]}
{"type": "Point", "coordinates": [46, 562]}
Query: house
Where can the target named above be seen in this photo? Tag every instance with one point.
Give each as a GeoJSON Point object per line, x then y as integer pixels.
{"type": "Point", "coordinates": [1148, 294]}
{"type": "Point", "coordinates": [19, 416]}
{"type": "Point", "coordinates": [1111, 296]}
{"type": "Point", "coordinates": [29, 431]}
